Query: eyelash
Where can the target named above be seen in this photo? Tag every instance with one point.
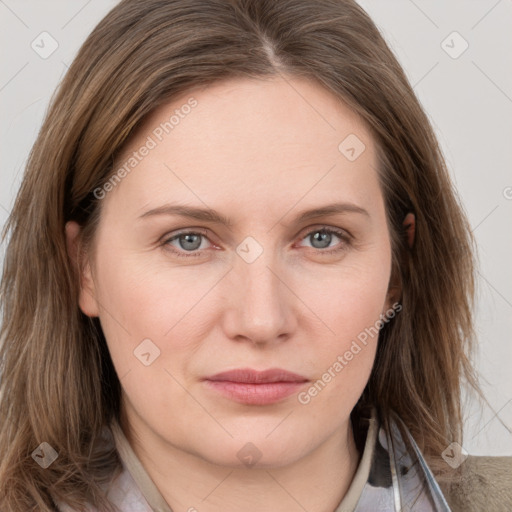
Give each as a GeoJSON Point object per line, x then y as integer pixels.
{"type": "Point", "coordinates": [345, 238]}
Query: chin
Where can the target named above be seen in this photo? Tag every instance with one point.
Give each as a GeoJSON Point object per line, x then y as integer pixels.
{"type": "Point", "coordinates": [258, 450]}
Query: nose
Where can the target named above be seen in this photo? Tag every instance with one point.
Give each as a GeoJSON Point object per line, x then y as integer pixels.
{"type": "Point", "coordinates": [262, 308]}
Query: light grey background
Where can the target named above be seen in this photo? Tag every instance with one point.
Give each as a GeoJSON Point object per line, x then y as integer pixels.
{"type": "Point", "coordinates": [468, 97]}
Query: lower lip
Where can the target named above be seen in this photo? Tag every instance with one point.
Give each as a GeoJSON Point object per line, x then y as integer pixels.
{"type": "Point", "coordinates": [255, 394]}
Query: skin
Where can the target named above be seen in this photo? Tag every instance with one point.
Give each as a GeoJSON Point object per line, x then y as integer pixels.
{"type": "Point", "coordinates": [260, 152]}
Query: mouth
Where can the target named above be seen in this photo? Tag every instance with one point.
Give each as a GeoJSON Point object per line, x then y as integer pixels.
{"type": "Point", "coordinates": [253, 387]}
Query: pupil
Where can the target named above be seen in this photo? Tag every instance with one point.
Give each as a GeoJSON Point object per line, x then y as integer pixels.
{"type": "Point", "coordinates": [189, 239]}
{"type": "Point", "coordinates": [325, 238]}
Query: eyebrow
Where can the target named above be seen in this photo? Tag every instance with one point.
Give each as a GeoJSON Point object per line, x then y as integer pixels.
{"type": "Point", "coordinates": [214, 217]}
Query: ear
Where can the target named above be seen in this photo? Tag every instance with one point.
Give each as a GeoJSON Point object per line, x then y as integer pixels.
{"type": "Point", "coordinates": [80, 261]}
{"type": "Point", "coordinates": [395, 285]}
{"type": "Point", "coordinates": [409, 225]}
{"type": "Point", "coordinates": [394, 290]}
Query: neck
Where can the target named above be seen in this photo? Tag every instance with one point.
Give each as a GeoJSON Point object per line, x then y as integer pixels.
{"type": "Point", "coordinates": [317, 482]}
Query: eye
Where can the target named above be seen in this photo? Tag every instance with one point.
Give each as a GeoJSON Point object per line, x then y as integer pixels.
{"type": "Point", "coordinates": [187, 243]}
{"type": "Point", "coordinates": [321, 239]}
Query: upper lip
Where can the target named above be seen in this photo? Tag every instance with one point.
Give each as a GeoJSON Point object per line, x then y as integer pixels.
{"type": "Point", "coordinates": [250, 376]}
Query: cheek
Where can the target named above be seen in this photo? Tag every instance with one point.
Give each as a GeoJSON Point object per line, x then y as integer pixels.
{"type": "Point", "coordinates": [146, 297]}
{"type": "Point", "coordinates": [142, 299]}
{"type": "Point", "coordinates": [351, 310]}
{"type": "Point", "coordinates": [351, 298]}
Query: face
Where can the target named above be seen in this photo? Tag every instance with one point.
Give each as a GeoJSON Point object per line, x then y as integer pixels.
{"type": "Point", "coordinates": [262, 284]}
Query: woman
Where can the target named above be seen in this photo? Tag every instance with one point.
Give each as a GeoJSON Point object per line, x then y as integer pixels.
{"type": "Point", "coordinates": [308, 354]}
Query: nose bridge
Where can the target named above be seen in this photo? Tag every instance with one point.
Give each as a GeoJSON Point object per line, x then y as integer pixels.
{"type": "Point", "coordinates": [260, 311]}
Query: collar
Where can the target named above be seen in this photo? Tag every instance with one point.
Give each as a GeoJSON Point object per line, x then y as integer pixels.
{"type": "Point", "coordinates": [399, 477]}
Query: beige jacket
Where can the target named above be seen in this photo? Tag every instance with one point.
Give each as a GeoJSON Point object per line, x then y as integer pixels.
{"type": "Point", "coordinates": [481, 484]}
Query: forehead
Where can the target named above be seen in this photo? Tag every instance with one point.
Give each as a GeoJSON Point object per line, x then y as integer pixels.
{"type": "Point", "coordinates": [272, 138]}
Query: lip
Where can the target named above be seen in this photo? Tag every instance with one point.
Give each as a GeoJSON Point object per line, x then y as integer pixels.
{"type": "Point", "coordinates": [248, 386]}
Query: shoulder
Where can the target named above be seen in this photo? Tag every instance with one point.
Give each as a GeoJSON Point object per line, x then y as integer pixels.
{"type": "Point", "coordinates": [480, 483]}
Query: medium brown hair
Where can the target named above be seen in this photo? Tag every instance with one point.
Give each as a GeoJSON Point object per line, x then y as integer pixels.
{"type": "Point", "coordinates": [58, 383]}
